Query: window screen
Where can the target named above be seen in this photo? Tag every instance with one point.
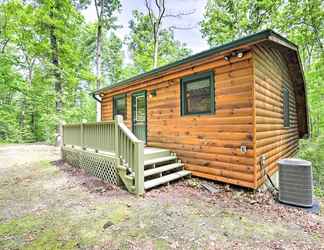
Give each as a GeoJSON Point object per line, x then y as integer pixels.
{"type": "Point", "coordinates": [197, 94]}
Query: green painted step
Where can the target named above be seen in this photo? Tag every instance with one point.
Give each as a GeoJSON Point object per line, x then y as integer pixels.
{"type": "Point", "coordinates": [151, 153]}
{"type": "Point", "coordinates": [165, 179]}
{"type": "Point", "coordinates": [159, 160]}
{"type": "Point", "coordinates": [162, 169]}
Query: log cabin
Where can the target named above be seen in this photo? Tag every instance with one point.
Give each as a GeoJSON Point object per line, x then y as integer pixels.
{"type": "Point", "coordinates": [228, 113]}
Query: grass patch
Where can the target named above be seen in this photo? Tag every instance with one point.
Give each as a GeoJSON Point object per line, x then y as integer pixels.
{"type": "Point", "coordinates": [52, 239]}
{"type": "Point", "coordinates": [19, 226]}
{"type": "Point", "coordinates": [14, 232]}
{"type": "Point", "coordinates": [119, 214]}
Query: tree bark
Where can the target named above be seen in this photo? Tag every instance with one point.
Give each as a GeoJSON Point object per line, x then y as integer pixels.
{"type": "Point", "coordinates": [156, 52]}
{"type": "Point", "coordinates": [98, 55]}
{"type": "Point", "coordinates": [98, 67]}
{"type": "Point", "coordinates": [99, 12]}
{"type": "Point", "coordinates": [156, 21]}
{"type": "Point", "coordinates": [30, 81]}
{"type": "Point", "coordinates": [58, 85]}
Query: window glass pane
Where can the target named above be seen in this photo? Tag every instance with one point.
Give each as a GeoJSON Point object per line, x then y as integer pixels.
{"type": "Point", "coordinates": [198, 96]}
{"type": "Point", "coordinates": [120, 106]}
{"type": "Point", "coordinates": [140, 108]}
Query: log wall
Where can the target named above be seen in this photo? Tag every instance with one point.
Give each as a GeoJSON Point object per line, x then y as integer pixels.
{"type": "Point", "coordinates": [249, 111]}
{"type": "Point", "coordinates": [272, 139]}
{"type": "Point", "coordinates": [208, 144]}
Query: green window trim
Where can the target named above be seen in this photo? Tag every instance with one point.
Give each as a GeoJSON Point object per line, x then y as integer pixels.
{"type": "Point", "coordinates": [115, 99]}
{"type": "Point", "coordinates": [193, 78]}
{"type": "Point", "coordinates": [286, 105]}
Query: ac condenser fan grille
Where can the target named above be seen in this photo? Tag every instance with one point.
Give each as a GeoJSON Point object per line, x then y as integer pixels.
{"type": "Point", "coordinates": [295, 182]}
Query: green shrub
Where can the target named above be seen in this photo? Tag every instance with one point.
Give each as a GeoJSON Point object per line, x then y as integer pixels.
{"type": "Point", "coordinates": [313, 150]}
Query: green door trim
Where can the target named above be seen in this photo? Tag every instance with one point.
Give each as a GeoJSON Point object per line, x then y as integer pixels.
{"type": "Point", "coordinates": [139, 93]}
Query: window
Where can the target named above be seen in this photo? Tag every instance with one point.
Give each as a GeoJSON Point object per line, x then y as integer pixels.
{"type": "Point", "coordinates": [286, 107]}
{"type": "Point", "coordinates": [119, 106]}
{"type": "Point", "coordinates": [197, 94]}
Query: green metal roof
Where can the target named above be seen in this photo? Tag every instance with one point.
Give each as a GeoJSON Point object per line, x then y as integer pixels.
{"type": "Point", "coordinates": [265, 34]}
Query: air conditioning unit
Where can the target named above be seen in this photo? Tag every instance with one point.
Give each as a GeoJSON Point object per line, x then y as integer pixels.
{"type": "Point", "coordinates": [296, 182]}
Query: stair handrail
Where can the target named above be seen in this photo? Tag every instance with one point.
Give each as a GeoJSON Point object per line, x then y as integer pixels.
{"type": "Point", "coordinates": [115, 137]}
{"type": "Point", "coordinates": [130, 150]}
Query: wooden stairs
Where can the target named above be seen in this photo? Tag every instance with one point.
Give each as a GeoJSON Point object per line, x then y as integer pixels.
{"type": "Point", "coordinates": [161, 166]}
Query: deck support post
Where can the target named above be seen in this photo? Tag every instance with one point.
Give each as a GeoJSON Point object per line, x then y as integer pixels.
{"type": "Point", "coordinates": [81, 136]}
{"type": "Point", "coordinates": [139, 168]}
{"type": "Point", "coordinates": [118, 120]}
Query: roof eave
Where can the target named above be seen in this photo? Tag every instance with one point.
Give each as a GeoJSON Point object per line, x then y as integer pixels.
{"type": "Point", "coordinates": [266, 34]}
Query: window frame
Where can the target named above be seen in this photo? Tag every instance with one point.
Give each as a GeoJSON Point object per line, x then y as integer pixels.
{"type": "Point", "coordinates": [286, 111]}
{"type": "Point", "coordinates": [115, 98]}
{"type": "Point", "coordinates": [192, 78]}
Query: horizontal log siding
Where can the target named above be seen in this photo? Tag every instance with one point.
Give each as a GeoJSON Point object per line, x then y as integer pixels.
{"type": "Point", "coordinates": [209, 145]}
{"type": "Point", "coordinates": [272, 139]}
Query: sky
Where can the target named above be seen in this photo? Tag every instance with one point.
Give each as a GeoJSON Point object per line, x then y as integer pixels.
{"type": "Point", "coordinates": [191, 37]}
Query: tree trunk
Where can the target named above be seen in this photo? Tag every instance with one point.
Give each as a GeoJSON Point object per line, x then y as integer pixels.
{"type": "Point", "coordinates": [30, 81]}
{"type": "Point", "coordinates": [98, 56]}
{"type": "Point", "coordinates": [57, 84]}
{"type": "Point", "coordinates": [156, 52]}
{"type": "Point", "coordinates": [98, 67]}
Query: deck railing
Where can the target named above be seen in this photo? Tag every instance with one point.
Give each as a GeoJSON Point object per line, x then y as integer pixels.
{"type": "Point", "coordinates": [98, 136]}
{"type": "Point", "coordinates": [113, 137]}
{"type": "Point", "coordinates": [131, 151]}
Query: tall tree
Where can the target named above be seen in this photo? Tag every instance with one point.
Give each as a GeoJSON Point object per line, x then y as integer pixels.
{"type": "Point", "coordinates": [157, 14]}
{"type": "Point", "coordinates": [156, 21]}
{"type": "Point", "coordinates": [112, 59]}
{"type": "Point", "coordinates": [105, 10]}
{"type": "Point", "coordinates": [142, 48]}
{"type": "Point", "coordinates": [40, 44]}
{"type": "Point", "coordinates": [58, 84]}
{"type": "Point", "coordinates": [112, 53]}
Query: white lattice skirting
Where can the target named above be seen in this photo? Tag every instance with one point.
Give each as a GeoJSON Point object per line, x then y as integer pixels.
{"type": "Point", "coordinates": [100, 165]}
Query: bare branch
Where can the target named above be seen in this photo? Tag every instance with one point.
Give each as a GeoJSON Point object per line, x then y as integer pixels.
{"type": "Point", "coordinates": [97, 10]}
{"type": "Point", "coordinates": [150, 12]}
{"type": "Point", "coordinates": [180, 14]}
{"type": "Point", "coordinates": [163, 8]}
{"type": "Point", "coordinates": [173, 27]}
{"type": "Point", "coordinates": [161, 14]}
{"type": "Point", "coordinates": [158, 4]}
{"type": "Point", "coordinates": [4, 45]}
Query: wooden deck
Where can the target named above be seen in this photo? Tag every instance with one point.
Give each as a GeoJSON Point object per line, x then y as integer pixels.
{"type": "Point", "coordinates": [110, 149]}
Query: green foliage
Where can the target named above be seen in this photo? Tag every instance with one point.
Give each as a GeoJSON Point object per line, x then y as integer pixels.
{"type": "Point", "coordinates": [141, 45]}
{"type": "Point", "coordinates": [230, 19]}
{"type": "Point", "coordinates": [112, 59]}
{"type": "Point", "coordinates": [313, 150]}
{"type": "Point", "coordinates": [26, 71]}
{"type": "Point", "coordinates": [106, 10]}
{"type": "Point", "coordinates": [32, 84]}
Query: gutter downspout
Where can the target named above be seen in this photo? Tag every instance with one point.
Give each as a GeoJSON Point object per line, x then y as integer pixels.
{"type": "Point", "coordinates": [98, 106]}
{"type": "Point", "coordinates": [96, 98]}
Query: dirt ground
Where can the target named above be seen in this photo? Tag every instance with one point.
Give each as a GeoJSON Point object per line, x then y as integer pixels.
{"type": "Point", "coordinates": [45, 204]}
